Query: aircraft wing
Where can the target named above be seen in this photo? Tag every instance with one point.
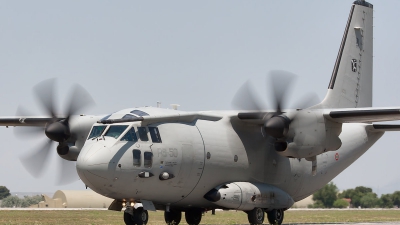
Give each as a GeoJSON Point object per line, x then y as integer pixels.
{"type": "Point", "coordinates": [181, 117]}
{"type": "Point", "coordinates": [363, 115]}
{"type": "Point", "coordinates": [25, 121]}
{"type": "Point", "coordinates": [351, 115]}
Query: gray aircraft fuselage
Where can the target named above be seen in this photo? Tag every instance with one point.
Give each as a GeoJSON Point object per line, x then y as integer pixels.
{"type": "Point", "coordinates": [204, 154]}
{"type": "Point", "coordinates": [255, 161]}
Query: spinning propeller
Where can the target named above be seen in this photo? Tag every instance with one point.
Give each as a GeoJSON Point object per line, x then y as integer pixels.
{"type": "Point", "coordinates": [56, 129]}
{"type": "Point", "coordinates": [276, 123]}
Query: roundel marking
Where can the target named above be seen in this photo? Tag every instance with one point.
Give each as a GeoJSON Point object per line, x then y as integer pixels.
{"type": "Point", "coordinates": [337, 156]}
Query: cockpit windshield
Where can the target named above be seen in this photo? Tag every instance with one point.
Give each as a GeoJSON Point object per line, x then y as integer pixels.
{"type": "Point", "coordinates": [96, 131]}
{"type": "Point", "coordinates": [115, 131]}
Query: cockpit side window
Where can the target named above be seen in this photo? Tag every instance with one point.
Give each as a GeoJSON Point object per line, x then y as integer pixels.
{"type": "Point", "coordinates": [148, 159]}
{"type": "Point", "coordinates": [96, 131]}
{"type": "Point", "coordinates": [115, 131]}
{"type": "Point", "coordinates": [143, 134]}
{"type": "Point", "coordinates": [155, 135]}
{"type": "Point", "coordinates": [139, 113]}
{"type": "Point", "coordinates": [130, 135]}
{"type": "Point", "coordinates": [136, 157]}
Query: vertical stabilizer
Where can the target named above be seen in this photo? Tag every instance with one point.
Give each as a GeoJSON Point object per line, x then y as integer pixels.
{"type": "Point", "coordinates": [351, 81]}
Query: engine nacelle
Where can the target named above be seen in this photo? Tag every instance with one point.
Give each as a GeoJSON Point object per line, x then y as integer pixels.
{"type": "Point", "coordinates": [69, 153]}
{"type": "Point", "coordinates": [246, 196]}
{"type": "Point", "coordinates": [79, 128]}
{"type": "Point", "coordinates": [310, 134]}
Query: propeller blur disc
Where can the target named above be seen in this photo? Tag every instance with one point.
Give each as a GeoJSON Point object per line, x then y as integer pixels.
{"type": "Point", "coordinates": [56, 129]}
{"type": "Point", "coordinates": [36, 161]}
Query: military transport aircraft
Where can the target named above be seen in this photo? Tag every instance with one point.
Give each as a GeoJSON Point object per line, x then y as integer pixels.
{"type": "Point", "coordinates": [257, 161]}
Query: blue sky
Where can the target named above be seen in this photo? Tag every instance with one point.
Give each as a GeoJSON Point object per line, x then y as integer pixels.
{"type": "Point", "coordinates": [196, 54]}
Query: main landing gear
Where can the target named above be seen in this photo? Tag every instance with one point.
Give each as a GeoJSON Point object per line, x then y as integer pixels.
{"type": "Point", "coordinates": [139, 216]}
{"type": "Point", "coordinates": [192, 216]}
{"type": "Point", "coordinates": [172, 217]}
{"type": "Point", "coordinates": [275, 216]}
{"type": "Point", "coordinates": [134, 216]}
{"type": "Point", "coordinates": [256, 216]}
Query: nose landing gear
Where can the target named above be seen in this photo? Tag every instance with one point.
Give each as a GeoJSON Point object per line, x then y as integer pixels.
{"type": "Point", "coordinates": [134, 216]}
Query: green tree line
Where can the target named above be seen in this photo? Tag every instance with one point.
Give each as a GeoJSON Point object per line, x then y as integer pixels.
{"type": "Point", "coordinates": [364, 197]}
{"type": "Point", "coordinates": [9, 201]}
{"type": "Point", "coordinates": [4, 192]}
{"type": "Point", "coordinates": [13, 201]}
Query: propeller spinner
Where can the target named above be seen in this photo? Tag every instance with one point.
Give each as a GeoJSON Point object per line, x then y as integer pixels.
{"type": "Point", "coordinates": [56, 129]}
{"type": "Point", "coordinates": [276, 124]}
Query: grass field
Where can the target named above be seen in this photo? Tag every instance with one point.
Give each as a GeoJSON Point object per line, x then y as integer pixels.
{"type": "Point", "coordinates": [221, 217]}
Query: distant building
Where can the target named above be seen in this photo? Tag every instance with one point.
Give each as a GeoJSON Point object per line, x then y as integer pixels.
{"type": "Point", "coordinates": [349, 201]}
{"type": "Point", "coordinates": [304, 203]}
{"type": "Point", "coordinates": [74, 199]}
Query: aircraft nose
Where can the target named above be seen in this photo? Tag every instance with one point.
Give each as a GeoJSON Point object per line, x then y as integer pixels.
{"type": "Point", "coordinates": [92, 167]}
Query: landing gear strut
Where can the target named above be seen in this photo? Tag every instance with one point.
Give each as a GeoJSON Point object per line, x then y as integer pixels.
{"type": "Point", "coordinates": [134, 216]}
{"type": "Point", "coordinates": [193, 216]}
{"type": "Point", "coordinates": [172, 217]}
{"type": "Point", "coordinates": [275, 216]}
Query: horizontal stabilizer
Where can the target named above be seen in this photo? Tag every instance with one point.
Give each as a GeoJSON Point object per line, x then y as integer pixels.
{"type": "Point", "coordinates": [385, 127]}
{"type": "Point", "coordinates": [364, 115]}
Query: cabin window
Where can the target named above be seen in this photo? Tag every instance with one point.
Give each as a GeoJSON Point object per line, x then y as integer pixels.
{"type": "Point", "coordinates": [139, 113]}
{"type": "Point", "coordinates": [155, 135]}
{"type": "Point", "coordinates": [136, 157]}
{"type": "Point", "coordinates": [96, 131]}
{"type": "Point", "coordinates": [143, 134]}
{"type": "Point", "coordinates": [148, 159]}
{"type": "Point", "coordinates": [130, 135]}
{"type": "Point", "coordinates": [115, 131]}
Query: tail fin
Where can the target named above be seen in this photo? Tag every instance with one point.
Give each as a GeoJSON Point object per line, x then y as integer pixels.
{"type": "Point", "coordinates": [351, 81]}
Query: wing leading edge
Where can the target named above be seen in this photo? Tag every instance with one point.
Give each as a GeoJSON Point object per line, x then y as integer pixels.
{"type": "Point", "coordinates": [353, 115]}
{"type": "Point", "coordinates": [26, 121]}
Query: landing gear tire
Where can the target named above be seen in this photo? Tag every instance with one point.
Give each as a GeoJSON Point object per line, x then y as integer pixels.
{"type": "Point", "coordinates": [139, 217]}
{"type": "Point", "coordinates": [275, 216]}
{"type": "Point", "coordinates": [193, 216]}
{"type": "Point", "coordinates": [256, 216]}
{"type": "Point", "coordinates": [173, 217]}
{"type": "Point", "coordinates": [128, 219]}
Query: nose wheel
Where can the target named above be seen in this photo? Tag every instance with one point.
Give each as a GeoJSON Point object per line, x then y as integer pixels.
{"type": "Point", "coordinates": [134, 216]}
